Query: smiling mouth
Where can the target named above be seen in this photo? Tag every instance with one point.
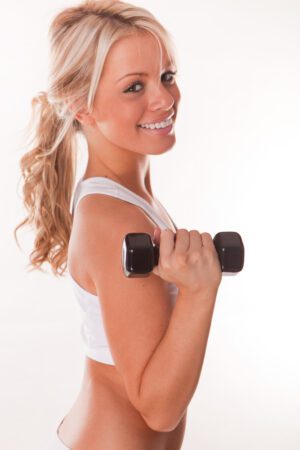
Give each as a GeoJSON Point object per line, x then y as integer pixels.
{"type": "Point", "coordinates": [173, 117]}
{"type": "Point", "coordinates": [166, 131]}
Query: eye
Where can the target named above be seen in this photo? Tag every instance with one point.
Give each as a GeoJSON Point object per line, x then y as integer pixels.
{"type": "Point", "coordinates": [139, 83]}
{"type": "Point", "coordinates": [170, 73]}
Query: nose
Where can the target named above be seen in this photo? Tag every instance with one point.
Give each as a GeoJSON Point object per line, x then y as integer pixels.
{"type": "Point", "coordinates": [161, 98]}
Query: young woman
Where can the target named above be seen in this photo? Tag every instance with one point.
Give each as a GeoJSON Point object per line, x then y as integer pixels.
{"type": "Point", "coordinates": [113, 79]}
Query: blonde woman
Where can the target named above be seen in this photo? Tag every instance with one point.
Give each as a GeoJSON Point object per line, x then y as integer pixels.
{"type": "Point", "coordinates": [113, 79]}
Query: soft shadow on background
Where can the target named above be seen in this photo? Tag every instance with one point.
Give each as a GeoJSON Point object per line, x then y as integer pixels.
{"type": "Point", "coordinates": [235, 167]}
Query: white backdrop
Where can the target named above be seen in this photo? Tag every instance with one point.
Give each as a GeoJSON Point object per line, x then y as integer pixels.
{"type": "Point", "coordinates": [235, 167]}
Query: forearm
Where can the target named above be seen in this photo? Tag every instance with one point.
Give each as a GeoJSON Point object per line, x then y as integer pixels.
{"type": "Point", "coordinates": [172, 374]}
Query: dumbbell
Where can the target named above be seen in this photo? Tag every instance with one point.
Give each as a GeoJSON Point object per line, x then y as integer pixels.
{"type": "Point", "coordinates": [140, 254]}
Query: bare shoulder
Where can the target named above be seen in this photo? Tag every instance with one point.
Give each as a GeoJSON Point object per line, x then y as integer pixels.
{"type": "Point", "coordinates": [96, 214]}
{"type": "Point", "coordinates": [91, 204]}
{"type": "Point", "coordinates": [99, 210]}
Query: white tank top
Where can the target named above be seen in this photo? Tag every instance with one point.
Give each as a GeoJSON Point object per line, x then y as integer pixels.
{"type": "Point", "coordinates": [93, 333]}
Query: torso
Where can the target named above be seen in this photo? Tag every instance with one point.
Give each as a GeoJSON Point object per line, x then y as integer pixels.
{"type": "Point", "coordinates": [102, 416]}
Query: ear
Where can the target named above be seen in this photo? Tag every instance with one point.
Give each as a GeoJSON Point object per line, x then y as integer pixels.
{"type": "Point", "coordinates": [83, 115]}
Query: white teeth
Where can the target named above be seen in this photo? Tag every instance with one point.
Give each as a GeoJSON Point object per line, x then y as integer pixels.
{"type": "Point", "coordinates": [164, 124]}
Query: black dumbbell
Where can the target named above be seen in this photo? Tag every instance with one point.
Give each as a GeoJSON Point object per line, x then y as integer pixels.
{"type": "Point", "coordinates": [140, 254]}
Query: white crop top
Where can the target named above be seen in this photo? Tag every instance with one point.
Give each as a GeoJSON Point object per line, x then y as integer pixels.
{"type": "Point", "coordinates": [93, 333]}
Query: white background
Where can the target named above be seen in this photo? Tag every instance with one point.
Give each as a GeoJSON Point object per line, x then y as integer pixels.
{"type": "Point", "coordinates": [235, 167]}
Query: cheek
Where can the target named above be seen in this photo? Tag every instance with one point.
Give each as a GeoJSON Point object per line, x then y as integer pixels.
{"type": "Point", "coordinates": [124, 120]}
{"type": "Point", "coordinates": [121, 114]}
{"type": "Point", "coordinates": [176, 94]}
{"type": "Point", "coordinates": [118, 126]}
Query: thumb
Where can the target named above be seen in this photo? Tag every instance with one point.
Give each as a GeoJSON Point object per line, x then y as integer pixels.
{"type": "Point", "coordinates": [155, 270]}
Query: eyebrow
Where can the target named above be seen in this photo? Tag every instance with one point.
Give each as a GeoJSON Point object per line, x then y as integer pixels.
{"type": "Point", "coordinates": [134, 73]}
{"type": "Point", "coordinates": [140, 73]}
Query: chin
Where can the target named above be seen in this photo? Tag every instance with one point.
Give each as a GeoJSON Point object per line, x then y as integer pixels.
{"type": "Point", "coordinates": [159, 150]}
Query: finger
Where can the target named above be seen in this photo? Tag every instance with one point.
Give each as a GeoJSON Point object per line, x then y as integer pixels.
{"type": "Point", "coordinates": [207, 240]}
{"type": "Point", "coordinates": [195, 240]}
{"type": "Point", "coordinates": [167, 242]}
{"type": "Point", "coordinates": [182, 241]}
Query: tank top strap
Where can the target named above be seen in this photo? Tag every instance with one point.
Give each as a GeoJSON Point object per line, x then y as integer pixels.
{"type": "Point", "coordinates": [107, 186]}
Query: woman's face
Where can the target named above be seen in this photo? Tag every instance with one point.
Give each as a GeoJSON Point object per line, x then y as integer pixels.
{"type": "Point", "coordinates": [123, 101]}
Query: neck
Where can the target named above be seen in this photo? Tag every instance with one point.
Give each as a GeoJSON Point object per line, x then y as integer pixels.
{"type": "Point", "coordinates": [136, 181]}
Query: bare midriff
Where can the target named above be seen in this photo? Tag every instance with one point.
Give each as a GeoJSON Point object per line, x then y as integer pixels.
{"type": "Point", "coordinates": [103, 418]}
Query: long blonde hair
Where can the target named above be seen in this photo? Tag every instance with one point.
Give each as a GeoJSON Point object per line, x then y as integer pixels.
{"type": "Point", "coordinates": [80, 38]}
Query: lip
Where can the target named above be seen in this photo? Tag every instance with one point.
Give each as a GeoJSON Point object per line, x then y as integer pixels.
{"type": "Point", "coordinates": [168, 131]}
{"type": "Point", "coordinates": [158, 120]}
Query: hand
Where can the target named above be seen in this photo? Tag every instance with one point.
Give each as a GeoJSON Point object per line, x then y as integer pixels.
{"type": "Point", "coordinates": [188, 259]}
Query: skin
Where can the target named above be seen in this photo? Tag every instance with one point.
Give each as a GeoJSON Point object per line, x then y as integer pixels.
{"type": "Point", "coordinates": [102, 417]}
{"type": "Point", "coordinates": [115, 144]}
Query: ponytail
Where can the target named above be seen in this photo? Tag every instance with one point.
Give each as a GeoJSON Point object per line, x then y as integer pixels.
{"type": "Point", "coordinates": [48, 172]}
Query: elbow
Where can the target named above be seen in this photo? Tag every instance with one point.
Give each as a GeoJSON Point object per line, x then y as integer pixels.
{"type": "Point", "coordinates": [161, 418]}
{"type": "Point", "coordinates": [163, 424]}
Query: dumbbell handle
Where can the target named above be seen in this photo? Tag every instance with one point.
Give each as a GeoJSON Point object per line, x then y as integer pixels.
{"type": "Point", "coordinates": [140, 254]}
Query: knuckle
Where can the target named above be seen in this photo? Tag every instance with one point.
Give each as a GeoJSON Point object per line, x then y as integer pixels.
{"type": "Point", "coordinates": [182, 230]}
{"type": "Point", "coordinates": [165, 264]}
{"type": "Point", "coordinates": [207, 235]}
{"type": "Point", "coordinates": [166, 231]}
{"type": "Point", "coordinates": [180, 260]}
{"type": "Point", "coordinates": [195, 255]}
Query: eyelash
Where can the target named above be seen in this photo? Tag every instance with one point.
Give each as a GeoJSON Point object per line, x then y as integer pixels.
{"type": "Point", "coordinates": [138, 82]}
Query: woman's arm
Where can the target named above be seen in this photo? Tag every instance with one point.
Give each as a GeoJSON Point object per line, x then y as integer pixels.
{"type": "Point", "coordinates": [158, 348]}
{"type": "Point", "coordinates": [172, 374]}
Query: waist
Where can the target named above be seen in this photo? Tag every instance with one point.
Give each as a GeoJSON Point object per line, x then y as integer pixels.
{"type": "Point", "coordinates": [99, 375]}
